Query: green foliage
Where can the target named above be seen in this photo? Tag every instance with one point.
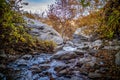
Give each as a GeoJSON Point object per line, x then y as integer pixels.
{"type": "Point", "coordinates": [13, 34]}
{"type": "Point", "coordinates": [11, 25]}
{"type": "Point", "coordinates": [45, 45]}
{"type": "Point", "coordinates": [111, 20]}
{"type": "Point", "coordinates": [84, 3]}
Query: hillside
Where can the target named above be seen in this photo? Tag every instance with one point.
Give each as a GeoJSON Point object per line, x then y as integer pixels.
{"type": "Point", "coordinates": [73, 40]}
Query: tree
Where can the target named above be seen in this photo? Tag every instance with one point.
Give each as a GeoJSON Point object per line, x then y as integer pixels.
{"type": "Point", "coordinates": [61, 13]}
{"type": "Point", "coordinates": [12, 28]}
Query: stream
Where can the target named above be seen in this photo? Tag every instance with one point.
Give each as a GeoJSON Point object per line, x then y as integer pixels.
{"type": "Point", "coordinates": [42, 67]}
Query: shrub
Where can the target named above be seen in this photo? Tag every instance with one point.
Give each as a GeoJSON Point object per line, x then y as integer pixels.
{"type": "Point", "coordinates": [110, 27]}
{"type": "Point", "coordinates": [93, 19]}
{"type": "Point", "coordinates": [45, 45]}
{"type": "Point", "coordinates": [11, 25]}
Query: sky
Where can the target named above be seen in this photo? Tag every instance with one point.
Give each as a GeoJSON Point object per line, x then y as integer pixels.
{"type": "Point", "coordinates": [37, 6]}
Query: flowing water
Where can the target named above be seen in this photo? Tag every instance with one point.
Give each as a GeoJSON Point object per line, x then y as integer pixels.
{"type": "Point", "coordinates": [41, 67]}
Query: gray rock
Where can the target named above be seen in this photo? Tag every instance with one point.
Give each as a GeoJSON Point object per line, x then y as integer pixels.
{"type": "Point", "coordinates": [65, 71]}
{"type": "Point", "coordinates": [94, 75]}
{"type": "Point", "coordinates": [86, 59]}
{"type": "Point", "coordinates": [2, 54]}
{"type": "Point", "coordinates": [21, 63]}
{"type": "Point", "coordinates": [81, 31]}
{"type": "Point", "coordinates": [79, 38]}
{"type": "Point", "coordinates": [89, 45]}
{"type": "Point", "coordinates": [83, 71]}
{"type": "Point", "coordinates": [2, 77]}
{"type": "Point", "coordinates": [79, 34]}
{"type": "Point", "coordinates": [117, 58]}
{"type": "Point", "coordinates": [64, 55]}
{"type": "Point", "coordinates": [44, 78]}
{"type": "Point", "coordinates": [77, 78]}
{"type": "Point", "coordinates": [35, 69]}
{"type": "Point", "coordinates": [80, 53]}
{"type": "Point", "coordinates": [83, 45]}
{"type": "Point", "coordinates": [69, 48]}
{"type": "Point", "coordinates": [90, 64]}
{"type": "Point", "coordinates": [27, 57]}
{"type": "Point", "coordinates": [62, 78]}
{"type": "Point", "coordinates": [43, 31]}
{"type": "Point", "coordinates": [112, 47]}
{"type": "Point", "coordinates": [96, 44]}
{"type": "Point", "coordinates": [69, 43]}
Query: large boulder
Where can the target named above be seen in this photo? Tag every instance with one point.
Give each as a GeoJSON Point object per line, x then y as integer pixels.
{"type": "Point", "coordinates": [80, 35]}
{"type": "Point", "coordinates": [64, 55]}
{"type": "Point", "coordinates": [43, 31]}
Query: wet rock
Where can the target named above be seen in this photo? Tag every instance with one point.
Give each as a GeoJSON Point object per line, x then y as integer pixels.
{"type": "Point", "coordinates": [80, 53]}
{"type": "Point", "coordinates": [58, 69]}
{"type": "Point", "coordinates": [84, 60]}
{"type": "Point", "coordinates": [114, 42]}
{"type": "Point", "coordinates": [70, 43]}
{"type": "Point", "coordinates": [58, 48]}
{"type": "Point", "coordinates": [44, 67]}
{"type": "Point", "coordinates": [44, 78]}
{"type": "Point", "coordinates": [117, 58]}
{"type": "Point", "coordinates": [23, 75]}
{"type": "Point", "coordinates": [35, 77]}
{"type": "Point", "coordinates": [96, 44]}
{"type": "Point", "coordinates": [69, 48]}
{"type": "Point", "coordinates": [78, 38]}
{"type": "Point", "coordinates": [77, 78]}
{"type": "Point", "coordinates": [2, 77]}
{"type": "Point", "coordinates": [101, 63]}
{"type": "Point", "coordinates": [64, 55]}
{"type": "Point", "coordinates": [27, 57]}
{"type": "Point", "coordinates": [89, 64]}
{"type": "Point", "coordinates": [65, 71]}
{"type": "Point", "coordinates": [21, 63]}
{"type": "Point", "coordinates": [63, 78]}
{"type": "Point", "coordinates": [83, 71]}
{"type": "Point", "coordinates": [79, 64]}
{"type": "Point", "coordinates": [35, 69]}
{"type": "Point", "coordinates": [13, 56]}
{"type": "Point", "coordinates": [112, 47]}
{"type": "Point", "coordinates": [56, 63]}
{"type": "Point", "coordinates": [92, 52]}
{"type": "Point", "coordinates": [83, 45]}
{"type": "Point", "coordinates": [94, 75]}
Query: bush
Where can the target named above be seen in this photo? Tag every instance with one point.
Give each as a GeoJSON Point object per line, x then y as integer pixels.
{"type": "Point", "coordinates": [93, 19]}
{"type": "Point", "coordinates": [45, 45]}
{"type": "Point", "coordinates": [110, 27]}
{"type": "Point", "coordinates": [11, 25]}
